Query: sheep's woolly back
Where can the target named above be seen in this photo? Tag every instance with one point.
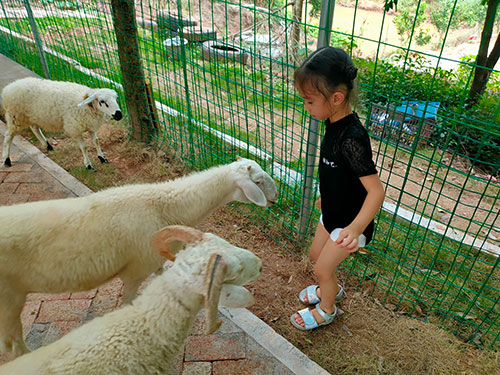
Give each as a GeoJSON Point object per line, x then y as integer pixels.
{"type": "Point", "coordinates": [48, 104]}
{"type": "Point", "coordinates": [79, 243]}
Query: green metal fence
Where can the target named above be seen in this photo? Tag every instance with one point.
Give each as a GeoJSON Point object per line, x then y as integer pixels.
{"type": "Point", "coordinates": [221, 78]}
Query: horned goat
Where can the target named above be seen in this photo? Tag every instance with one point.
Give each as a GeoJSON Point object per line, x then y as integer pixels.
{"type": "Point", "coordinates": [57, 106]}
{"type": "Point", "coordinates": [77, 244]}
{"type": "Point", "coordinates": [144, 337]}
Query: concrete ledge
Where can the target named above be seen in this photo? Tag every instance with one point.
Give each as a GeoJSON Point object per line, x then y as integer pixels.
{"type": "Point", "coordinates": [282, 350]}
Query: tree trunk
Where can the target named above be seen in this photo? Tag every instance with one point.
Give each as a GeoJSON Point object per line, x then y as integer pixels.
{"type": "Point", "coordinates": [295, 34]}
{"type": "Point", "coordinates": [483, 61]}
{"type": "Point", "coordinates": [134, 84]}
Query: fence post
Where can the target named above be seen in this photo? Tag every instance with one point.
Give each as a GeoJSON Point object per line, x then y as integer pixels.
{"type": "Point", "coordinates": [38, 40]}
{"type": "Point", "coordinates": [134, 83]}
{"type": "Point", "coordinates": [325, 27]}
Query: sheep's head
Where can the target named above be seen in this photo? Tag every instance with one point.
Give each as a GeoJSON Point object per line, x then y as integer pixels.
{"type": "Point", "coordinates": [104, 100]}
{"type": "Point", "coordinates": [224, 268]}
{"type": "Point", "coordinates": [255, 185]}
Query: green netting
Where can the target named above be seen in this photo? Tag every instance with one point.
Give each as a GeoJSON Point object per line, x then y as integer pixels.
{"type": "Point", "coordinates": [228, 90]}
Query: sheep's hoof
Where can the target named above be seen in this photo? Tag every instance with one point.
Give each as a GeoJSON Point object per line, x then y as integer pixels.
{"type": "Point", "coordinates": [49, 147]}
{"type": "Point", "coordinates": [7, 162]}
{"type": "Point", "coordinates": [90, 168]}
{"type": "Point", "coordinates": [103, 160]}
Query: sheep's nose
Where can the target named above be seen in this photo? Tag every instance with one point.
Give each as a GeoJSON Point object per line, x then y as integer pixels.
{"type": "Point", "coordinates": [118, 115]}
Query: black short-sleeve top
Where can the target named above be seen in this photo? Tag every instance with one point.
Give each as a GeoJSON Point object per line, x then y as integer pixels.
{"type": "Point", "coordinates": [345, 156]}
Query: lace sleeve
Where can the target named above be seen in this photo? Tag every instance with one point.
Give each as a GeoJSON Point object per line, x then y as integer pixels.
{"type": "Point", "coordinates": [358, 153]}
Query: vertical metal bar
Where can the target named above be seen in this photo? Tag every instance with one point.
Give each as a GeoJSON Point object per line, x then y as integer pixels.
{"type": "Point", "coordinates": [38, 40]}
{"type": "Point", "coordinates": [325, 22]}
{"type": "Point", "coordinates": [325, 27]}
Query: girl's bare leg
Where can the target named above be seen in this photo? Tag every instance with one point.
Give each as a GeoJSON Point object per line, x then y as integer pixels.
{"type": "Point", "coordinates": [320, 238]}
{"type": "Point", "coordinates": [325, 269]}
{"type": "Point", "coordinates": [319, 241]}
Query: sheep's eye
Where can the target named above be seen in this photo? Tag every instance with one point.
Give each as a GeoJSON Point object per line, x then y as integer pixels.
{"type": "Point", "coordinates": [101, 103]}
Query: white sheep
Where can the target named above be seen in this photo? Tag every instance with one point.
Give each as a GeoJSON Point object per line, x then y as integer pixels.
{"type": "Point", "coordinates": [144, 337]}
{"type": "Point", "coordinates": [57, 106]}
{"type": "Point", "coordinates": [77, 244]}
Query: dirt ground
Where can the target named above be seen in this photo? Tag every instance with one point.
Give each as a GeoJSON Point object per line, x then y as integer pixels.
{"type": "Point", "coordinates": [367, 339]}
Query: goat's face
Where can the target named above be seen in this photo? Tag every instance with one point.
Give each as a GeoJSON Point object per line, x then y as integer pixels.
{"type": "Point", "coordinates": [255, 184]}
{"type": "Point", "coordinates": [242, 266]}
{"type": "Point", "coordinates": [211, 267]}
{"type": "Point", "coordinates": [106, 101]}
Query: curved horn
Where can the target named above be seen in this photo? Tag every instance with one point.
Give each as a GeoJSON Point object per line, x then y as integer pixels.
{"type": "Point", "coordinates": [87, 100]}
{"type": "Point", "coordinates": [161, 240]}
{"type": "Point", "coordinates": [216, 271]}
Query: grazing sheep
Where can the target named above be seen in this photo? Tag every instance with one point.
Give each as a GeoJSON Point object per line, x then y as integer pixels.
{"type": "Point", "coordinates": [57, 106]}
{"type": "Point", "coordinates": [144, 337]}
{"type": "Point", "coordinates": [77, 244]}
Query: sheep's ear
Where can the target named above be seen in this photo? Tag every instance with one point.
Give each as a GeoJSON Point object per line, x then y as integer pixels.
{"type": "Point", "coordinates": [163, 239]}
{"type": "Point", "coordinates": [216, 271]}
{"type": "Point", "coordinates": [252, 191]}
{"type": "Point", "coordinates": [87, 100]}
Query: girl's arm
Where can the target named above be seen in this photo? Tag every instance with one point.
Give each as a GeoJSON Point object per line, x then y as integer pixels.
{"type": "Point", "coordinates": [373, 201]}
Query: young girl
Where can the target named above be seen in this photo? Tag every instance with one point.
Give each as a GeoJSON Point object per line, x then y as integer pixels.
{"type": "Point", "coordinates": [351, 191]}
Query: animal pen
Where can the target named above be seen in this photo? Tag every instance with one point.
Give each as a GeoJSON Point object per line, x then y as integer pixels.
{"type": "Point", "coordinates": [206, 81]}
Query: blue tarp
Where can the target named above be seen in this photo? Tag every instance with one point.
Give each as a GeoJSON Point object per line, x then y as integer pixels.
{"type": "Point", "coordinates": [410, 107]}
{"type": "Point", "coordinates": [416, 108]}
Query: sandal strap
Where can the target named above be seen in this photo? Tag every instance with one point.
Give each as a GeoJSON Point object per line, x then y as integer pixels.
{"type": "Point", "coordinates": [312, 296]}
{"type": "Point", "coordinates": [341, 294]}
{"type": "Point", "coordinates": [308, 318]}
{"type": "Point", "coordinates": [327, 317]}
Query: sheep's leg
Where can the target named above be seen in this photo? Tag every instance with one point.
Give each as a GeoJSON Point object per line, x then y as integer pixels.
{"type": "Point", "coordinates": [100, 154]}
{"type": "Point", "coordinates": [83, 147]}
{"type": "Point", "coordinates": [7, 141]}
{"type": "Point", "coordinates": [130, 286]}
{"type": "Point", "coordinates": [11, 330]}
{"type": "Point", "coordinates": [41, 138]}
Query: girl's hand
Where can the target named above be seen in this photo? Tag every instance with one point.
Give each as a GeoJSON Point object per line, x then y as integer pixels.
{"type": "Point", "coordinates": [348, 238]}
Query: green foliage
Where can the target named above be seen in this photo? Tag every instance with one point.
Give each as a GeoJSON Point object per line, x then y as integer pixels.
{"type": "Point", "coordinates": [390, 4]}
{"type": "Point", "coordinates": [455, 14]}
{"type": "Point", "coordinates": [338, 38]}
{"type": "Point", "coordinates": [423, 37]}
{"type": "Point", "coordinates": [316, 7]}
{"type": "Point", "coordinates": [52, 24]}
{"type": "Point", "coordinates": [410, 20]}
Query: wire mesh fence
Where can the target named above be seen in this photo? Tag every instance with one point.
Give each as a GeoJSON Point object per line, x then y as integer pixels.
{"type": "Point", "coordinates": [219, 77]}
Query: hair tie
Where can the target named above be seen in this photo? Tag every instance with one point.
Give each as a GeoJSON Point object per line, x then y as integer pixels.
{"type": "Point", "coordinates": [351, 72]}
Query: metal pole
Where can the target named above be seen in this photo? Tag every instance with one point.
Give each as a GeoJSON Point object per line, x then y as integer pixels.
{"type": "Point", "coordinates": [38, 40]}
{"type": "Point", "coordinates": [325, 27]}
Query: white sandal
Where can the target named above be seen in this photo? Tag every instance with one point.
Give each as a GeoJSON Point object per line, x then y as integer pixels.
{"type": "Point", "coordinates": [312, 296]}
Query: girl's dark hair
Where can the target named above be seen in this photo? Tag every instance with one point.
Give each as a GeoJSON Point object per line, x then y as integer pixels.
{"type": "Point", "coordinates": [326, 69]}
